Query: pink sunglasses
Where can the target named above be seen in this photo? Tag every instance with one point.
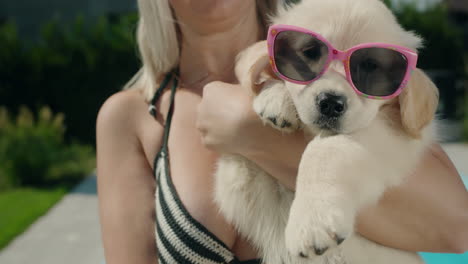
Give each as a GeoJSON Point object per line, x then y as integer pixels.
{"type": "Point", "coordinates": [374, 70]}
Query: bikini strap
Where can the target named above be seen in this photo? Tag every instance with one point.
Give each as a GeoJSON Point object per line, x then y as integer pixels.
{"type": "Point", "coordinates": [152, 108]}
{"type": "Point", "coordinates": [167, 127]}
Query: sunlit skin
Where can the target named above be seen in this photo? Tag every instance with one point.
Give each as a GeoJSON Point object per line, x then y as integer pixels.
{"type": "Point", "coordinates": [427, 213]}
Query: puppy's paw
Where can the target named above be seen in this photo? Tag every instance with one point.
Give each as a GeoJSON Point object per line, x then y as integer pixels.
{"type": "Point", "coordinates": [315, 228]}
{"type": "Point", "coordinates": [276, 108]}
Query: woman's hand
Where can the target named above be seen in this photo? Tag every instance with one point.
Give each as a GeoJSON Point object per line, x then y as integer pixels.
{"type": "Point", "coordinates": [228, 124]}
{"type": "Point", "coordinates": [226, 119]}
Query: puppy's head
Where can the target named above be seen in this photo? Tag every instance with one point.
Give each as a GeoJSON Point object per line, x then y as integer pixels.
{"type": "Point", "coordinates": [330, 104]}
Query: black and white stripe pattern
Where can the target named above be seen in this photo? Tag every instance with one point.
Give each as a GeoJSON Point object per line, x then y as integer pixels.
{"type": "Point", "coordinates": [179, 237]}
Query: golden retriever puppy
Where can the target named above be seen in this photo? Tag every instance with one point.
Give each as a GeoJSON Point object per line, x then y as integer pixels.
{"type": "Point", "coordinates": [367, 128]}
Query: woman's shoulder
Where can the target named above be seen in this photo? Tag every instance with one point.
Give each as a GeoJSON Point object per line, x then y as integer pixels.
{"type": "Point", "coordinates": [125, 126]}
{"type": "Point", "coordinates": [122, 110]}
{"type": "Point", "coordinates": [125, 114]}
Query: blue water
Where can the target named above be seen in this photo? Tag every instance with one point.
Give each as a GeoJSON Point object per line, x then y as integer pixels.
{"type": "Point", "coordinates": [436, 258]}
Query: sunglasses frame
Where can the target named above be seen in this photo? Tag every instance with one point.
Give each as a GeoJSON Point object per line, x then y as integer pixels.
{"type": "Point", "coordinates": [343, 56]}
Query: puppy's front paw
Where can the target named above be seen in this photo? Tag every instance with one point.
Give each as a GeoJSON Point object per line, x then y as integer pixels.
{"type": "Point", "coordinates": [276, 108]}
{"type": "Point", "coordinates": [317, 227]}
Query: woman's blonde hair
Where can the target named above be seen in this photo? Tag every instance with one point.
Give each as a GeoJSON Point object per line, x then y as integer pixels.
{"type": "Point", "coordinates": [158, 41]}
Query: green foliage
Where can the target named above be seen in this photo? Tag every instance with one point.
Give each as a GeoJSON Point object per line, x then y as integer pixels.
{"type": "Point", "coordinates": [73, 69]}
{"type": "Point", "coordinates": [443, 39]}
{"type": "Point", "coordinates": [21, 207]}
{"type": "Point", "coordinates": [33, 151]}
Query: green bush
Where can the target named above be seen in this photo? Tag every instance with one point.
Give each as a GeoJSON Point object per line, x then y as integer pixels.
{"type": "Point", "coordinates": [33, 151]}
{"type": "Point", "coordinates": [72, 69]}
{"type": "Point", "coordinates": [442, 38]}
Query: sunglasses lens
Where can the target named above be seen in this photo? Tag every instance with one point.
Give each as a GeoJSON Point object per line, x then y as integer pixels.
{"type": "Point", "coordinates": [299, 56]}
{"type": "Point", "coordinates": [377, 71]}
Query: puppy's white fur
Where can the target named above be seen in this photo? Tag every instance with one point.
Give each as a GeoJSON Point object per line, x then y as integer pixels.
{"type": "Point", "coordinates": [340, 173]}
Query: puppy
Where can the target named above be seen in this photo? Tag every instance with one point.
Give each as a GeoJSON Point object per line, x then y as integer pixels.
{"type": "Point", "coordinates": [358, 146]}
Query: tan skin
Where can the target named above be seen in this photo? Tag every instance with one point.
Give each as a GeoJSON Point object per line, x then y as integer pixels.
{"type": "Point", "coordinates": [427, 213]}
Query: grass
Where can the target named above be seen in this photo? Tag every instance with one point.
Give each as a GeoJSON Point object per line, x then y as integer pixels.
{"type": "Point", "coordinates": [19, 208]}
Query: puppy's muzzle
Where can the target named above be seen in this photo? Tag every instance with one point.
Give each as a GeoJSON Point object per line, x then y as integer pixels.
{"type": "Point", "coordinates": [331, 105]}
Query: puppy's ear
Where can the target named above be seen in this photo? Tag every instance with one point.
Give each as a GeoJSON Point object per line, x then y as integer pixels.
{"type": "Point", "coordinates": [253, 67]}
{"type": "Point", "coordinates": [418, 103]}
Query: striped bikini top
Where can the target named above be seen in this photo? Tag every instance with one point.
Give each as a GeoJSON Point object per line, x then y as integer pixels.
{"type": "Point", "coordinates": [179, 237]}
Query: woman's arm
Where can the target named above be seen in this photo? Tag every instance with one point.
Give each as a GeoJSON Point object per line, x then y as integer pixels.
{"type": "Point", "coordinates": [429, 212]}
{"type": "Point", "coordinates": [125, 184]}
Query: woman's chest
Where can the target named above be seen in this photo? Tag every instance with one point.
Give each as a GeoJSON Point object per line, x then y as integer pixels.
{"type": "Point", "coordinates": [191, 167]}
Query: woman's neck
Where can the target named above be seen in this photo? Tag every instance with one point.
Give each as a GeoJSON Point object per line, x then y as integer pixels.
{"type": "Point", "coordinates": [211, 57]}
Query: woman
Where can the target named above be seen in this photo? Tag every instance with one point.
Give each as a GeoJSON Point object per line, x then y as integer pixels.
{"type": "Point", "coordinates": [203, 46]}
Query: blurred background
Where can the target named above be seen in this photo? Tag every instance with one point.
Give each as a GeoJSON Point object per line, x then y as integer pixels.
{"type": "Point", "coordinates": [59, 61]}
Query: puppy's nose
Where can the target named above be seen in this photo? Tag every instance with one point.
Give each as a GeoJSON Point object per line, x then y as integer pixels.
{"type": "Point", "coordinates": [331, 105]}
